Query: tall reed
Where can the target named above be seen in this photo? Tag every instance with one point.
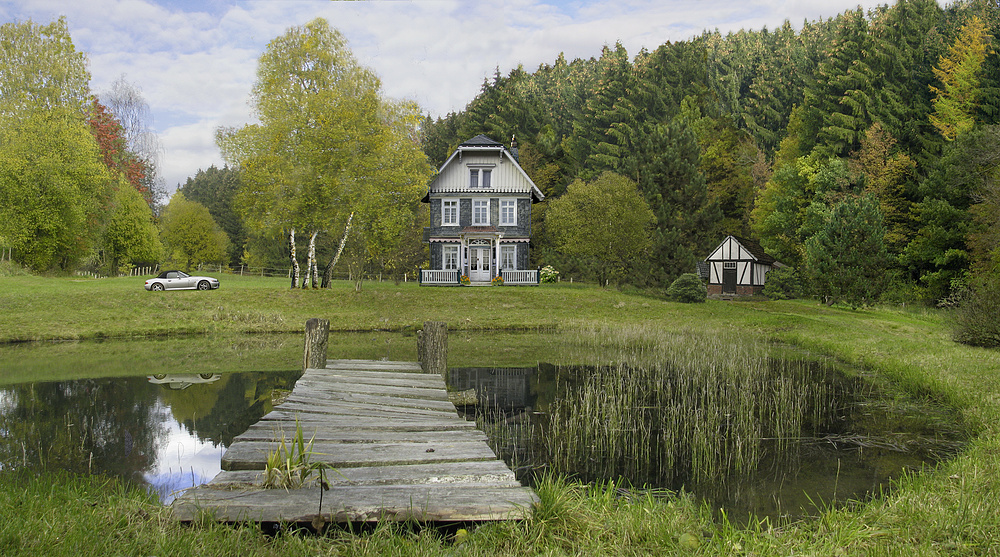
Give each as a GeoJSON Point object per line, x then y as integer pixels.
{"type": "Point", "coordinates": [664, 408]}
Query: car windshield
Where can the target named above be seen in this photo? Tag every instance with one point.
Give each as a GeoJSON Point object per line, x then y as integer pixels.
{"type": "Point", "coordinates": [182, 274]}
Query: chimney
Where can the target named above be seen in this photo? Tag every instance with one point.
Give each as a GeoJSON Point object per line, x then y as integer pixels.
{"type": "Point", "coordinates": [513, 148]}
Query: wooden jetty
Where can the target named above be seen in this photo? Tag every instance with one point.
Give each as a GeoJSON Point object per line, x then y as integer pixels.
{"type": "Point", "coordinates": [396, 450]}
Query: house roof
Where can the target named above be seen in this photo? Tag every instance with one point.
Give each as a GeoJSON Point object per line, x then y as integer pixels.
{"type": "Point", "coordinates": [481, 143]}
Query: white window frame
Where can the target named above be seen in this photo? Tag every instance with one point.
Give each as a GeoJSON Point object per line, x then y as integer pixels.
{"type": "Point", "coordinates": [508, 257]}
{"type": "Point", "coordinates": [480, 212]}
{"type": "Point", "coordinates": [480, 177]}
{"type": "Point", "coordinates": [449, 206]}
{"type": "Point", "coordinates": [449, 257]}
{"type": "Point", "coordinates": [508, 205]}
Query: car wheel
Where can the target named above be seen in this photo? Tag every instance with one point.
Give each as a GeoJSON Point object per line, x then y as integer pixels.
{"type": "Point", "coordinates": [160, 376]}
{"type": "Point", "coordinates": [157, 287]}
{"type": "Point", "coordinates": [203, 285]}
{"type": "Point", "coordinates": [206, 376]}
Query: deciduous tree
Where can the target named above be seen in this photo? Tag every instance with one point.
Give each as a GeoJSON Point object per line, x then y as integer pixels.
{"type": "Point", "coordinates": [53, 188]}
{"type": "Point", "coordinates": [40, 69]}
{"type": "Point", "coordinates": [131, 236]}
{"type": "Point", "coordinates": [606, 221]}
{"type": "Point", "coordinates": [958, 98]}
{"type": "Point", "coordinates": [190, 235]}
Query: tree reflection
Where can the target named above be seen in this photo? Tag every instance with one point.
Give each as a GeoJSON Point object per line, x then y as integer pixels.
{"type": "Point", "coordinates": [120, 426]}
{"type": "Point", "coordinates": [85, 426]}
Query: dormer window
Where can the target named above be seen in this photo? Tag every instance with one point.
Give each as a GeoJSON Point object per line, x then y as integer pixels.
{"type": "Point", "coordinates": [480, 177]}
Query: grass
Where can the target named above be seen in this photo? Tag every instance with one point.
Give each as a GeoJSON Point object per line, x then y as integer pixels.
{"type": "Point", "coordinates": [952, 510]}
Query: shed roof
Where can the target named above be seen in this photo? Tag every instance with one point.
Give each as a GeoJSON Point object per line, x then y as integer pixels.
{"type": "Point", "coordinates": [755, 249]}
{"type": "Point", "coordinates": [750, 246]}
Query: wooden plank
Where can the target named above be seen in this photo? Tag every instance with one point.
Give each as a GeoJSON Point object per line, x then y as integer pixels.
{"type": "Point", "coordinates": [336, 408]}
{"type": "Point", "coordinates": [373, 377]}
{"type": "Point", "coordinates": [369, 424]}
{"type": "Point", "coordinates": [274, 433]}
{"type": "Point", "coordinates": [376, 365]}
{"type": "Point", "coordinates": [359, 422]}
{"type": "Point", "coordinates": [492, 472]}
{"type": "Point", "coordinates": [365, 399]}
{"type": "Point", "coordinates": [423, 503]}
{"type": "Point", "coordinates": [252, 455]}
{"type": "Point", "coordinates": [374, 389]}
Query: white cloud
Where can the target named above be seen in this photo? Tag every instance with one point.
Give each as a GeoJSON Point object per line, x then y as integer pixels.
{"type": "Point", "coordinates": [195, 61]}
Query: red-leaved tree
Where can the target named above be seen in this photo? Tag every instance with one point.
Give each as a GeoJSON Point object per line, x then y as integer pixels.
{"type": "Point", "coordinates": [109, 134]}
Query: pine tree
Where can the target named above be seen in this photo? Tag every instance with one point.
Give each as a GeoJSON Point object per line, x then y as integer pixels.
{"type": "Point", "coordinates": [674, 187]}
{"type": "Point", "coordinates": [842, 87]}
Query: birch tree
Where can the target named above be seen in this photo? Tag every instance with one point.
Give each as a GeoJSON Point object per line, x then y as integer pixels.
{"type": "Point", "coordinates": [323, 144]}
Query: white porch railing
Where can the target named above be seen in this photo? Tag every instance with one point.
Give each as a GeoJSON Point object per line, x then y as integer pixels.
{"type": "Point", "coordinates": [434, 276]}
{"type": "Point", "coordinates": [519, 277]}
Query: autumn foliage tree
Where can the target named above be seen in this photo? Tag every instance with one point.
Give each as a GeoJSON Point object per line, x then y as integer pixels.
{"type": "Point", "coordinates": [109, 134]}
{"type": "Point", "coordinates": [959, 73]}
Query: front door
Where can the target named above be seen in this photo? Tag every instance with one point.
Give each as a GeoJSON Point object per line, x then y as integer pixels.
{"type": "Point", "coordinates": [479, 264]}
{"type": "Point", "coordinates": [729, 278]}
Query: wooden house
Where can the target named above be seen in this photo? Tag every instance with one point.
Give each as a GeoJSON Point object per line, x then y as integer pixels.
{"type": "Point", "coordinates": [480, 207]}
{"type": "Point", "coordinates": [738, 267]}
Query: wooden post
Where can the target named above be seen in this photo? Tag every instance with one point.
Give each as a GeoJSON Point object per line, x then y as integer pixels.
{"type": "Point", "coordinates": [432, 347]}
{"type": "Point", "coordinates": [317, 332]}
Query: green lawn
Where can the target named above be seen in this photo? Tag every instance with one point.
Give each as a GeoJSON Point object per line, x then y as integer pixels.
{"type": "Point", "coordinates": [954, 510]}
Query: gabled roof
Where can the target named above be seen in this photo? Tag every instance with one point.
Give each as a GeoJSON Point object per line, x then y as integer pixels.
{"type": "Point", "coordinates": [479, 144]}
{"type": "Point", "coordinates": [749, 246]}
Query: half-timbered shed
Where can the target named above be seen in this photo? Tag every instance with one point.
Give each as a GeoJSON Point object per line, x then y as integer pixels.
{"type": "Point", "coordinates": [738, 267]}
{"type": "Point", "coordinates": [480, 212]}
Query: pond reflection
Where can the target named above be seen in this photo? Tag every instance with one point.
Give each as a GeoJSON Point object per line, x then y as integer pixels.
{"type": "Point", "coordinates": [167, 432]}
{"type": "Point", "coordinates": [857, 437]}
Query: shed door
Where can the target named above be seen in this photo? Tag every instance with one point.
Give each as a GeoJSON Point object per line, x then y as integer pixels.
{"type": "Point", "coordinates": [729, 277]}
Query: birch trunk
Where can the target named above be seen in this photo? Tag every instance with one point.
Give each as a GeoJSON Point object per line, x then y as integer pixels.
{"type": "Point", "coordinates": [313, 269]}
{"type": "Point", "coordinates": [295, 262]}
{"type": "Point", "coordinates": [328, 271]}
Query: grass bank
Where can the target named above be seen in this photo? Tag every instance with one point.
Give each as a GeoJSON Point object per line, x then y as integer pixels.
{"type": "Point", "coordinates": [954, 510]}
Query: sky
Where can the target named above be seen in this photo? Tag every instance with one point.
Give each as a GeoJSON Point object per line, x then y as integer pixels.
{"type": "Point", "coordinates": [195, 61]}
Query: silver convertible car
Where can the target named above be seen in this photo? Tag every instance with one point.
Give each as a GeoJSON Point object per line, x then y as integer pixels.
{"type": "Point", "coordinates": [179, 280]}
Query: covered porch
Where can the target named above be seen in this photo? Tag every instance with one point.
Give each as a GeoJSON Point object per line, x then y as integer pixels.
{"type": "Point", "coordinates": [480, 256]}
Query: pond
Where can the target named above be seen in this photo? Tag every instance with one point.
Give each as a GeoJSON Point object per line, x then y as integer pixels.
{"type": "Point", "coordinates": [161, 413]}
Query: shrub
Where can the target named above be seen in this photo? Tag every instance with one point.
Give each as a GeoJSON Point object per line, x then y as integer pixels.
{"type": "Point", "coordinates": [783, 283]}
{"type": "Point", "coordinates": [688, 288]}
{"type": "Point", "coordinates": [549, 274]}
{"type": "Point", "coordinates": [977, 319]}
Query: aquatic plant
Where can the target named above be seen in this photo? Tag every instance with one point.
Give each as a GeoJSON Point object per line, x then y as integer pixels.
{"type": "Point", "coordinates": [291, 465]}
{"type": "Point", "coordinates": [678, 407]}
